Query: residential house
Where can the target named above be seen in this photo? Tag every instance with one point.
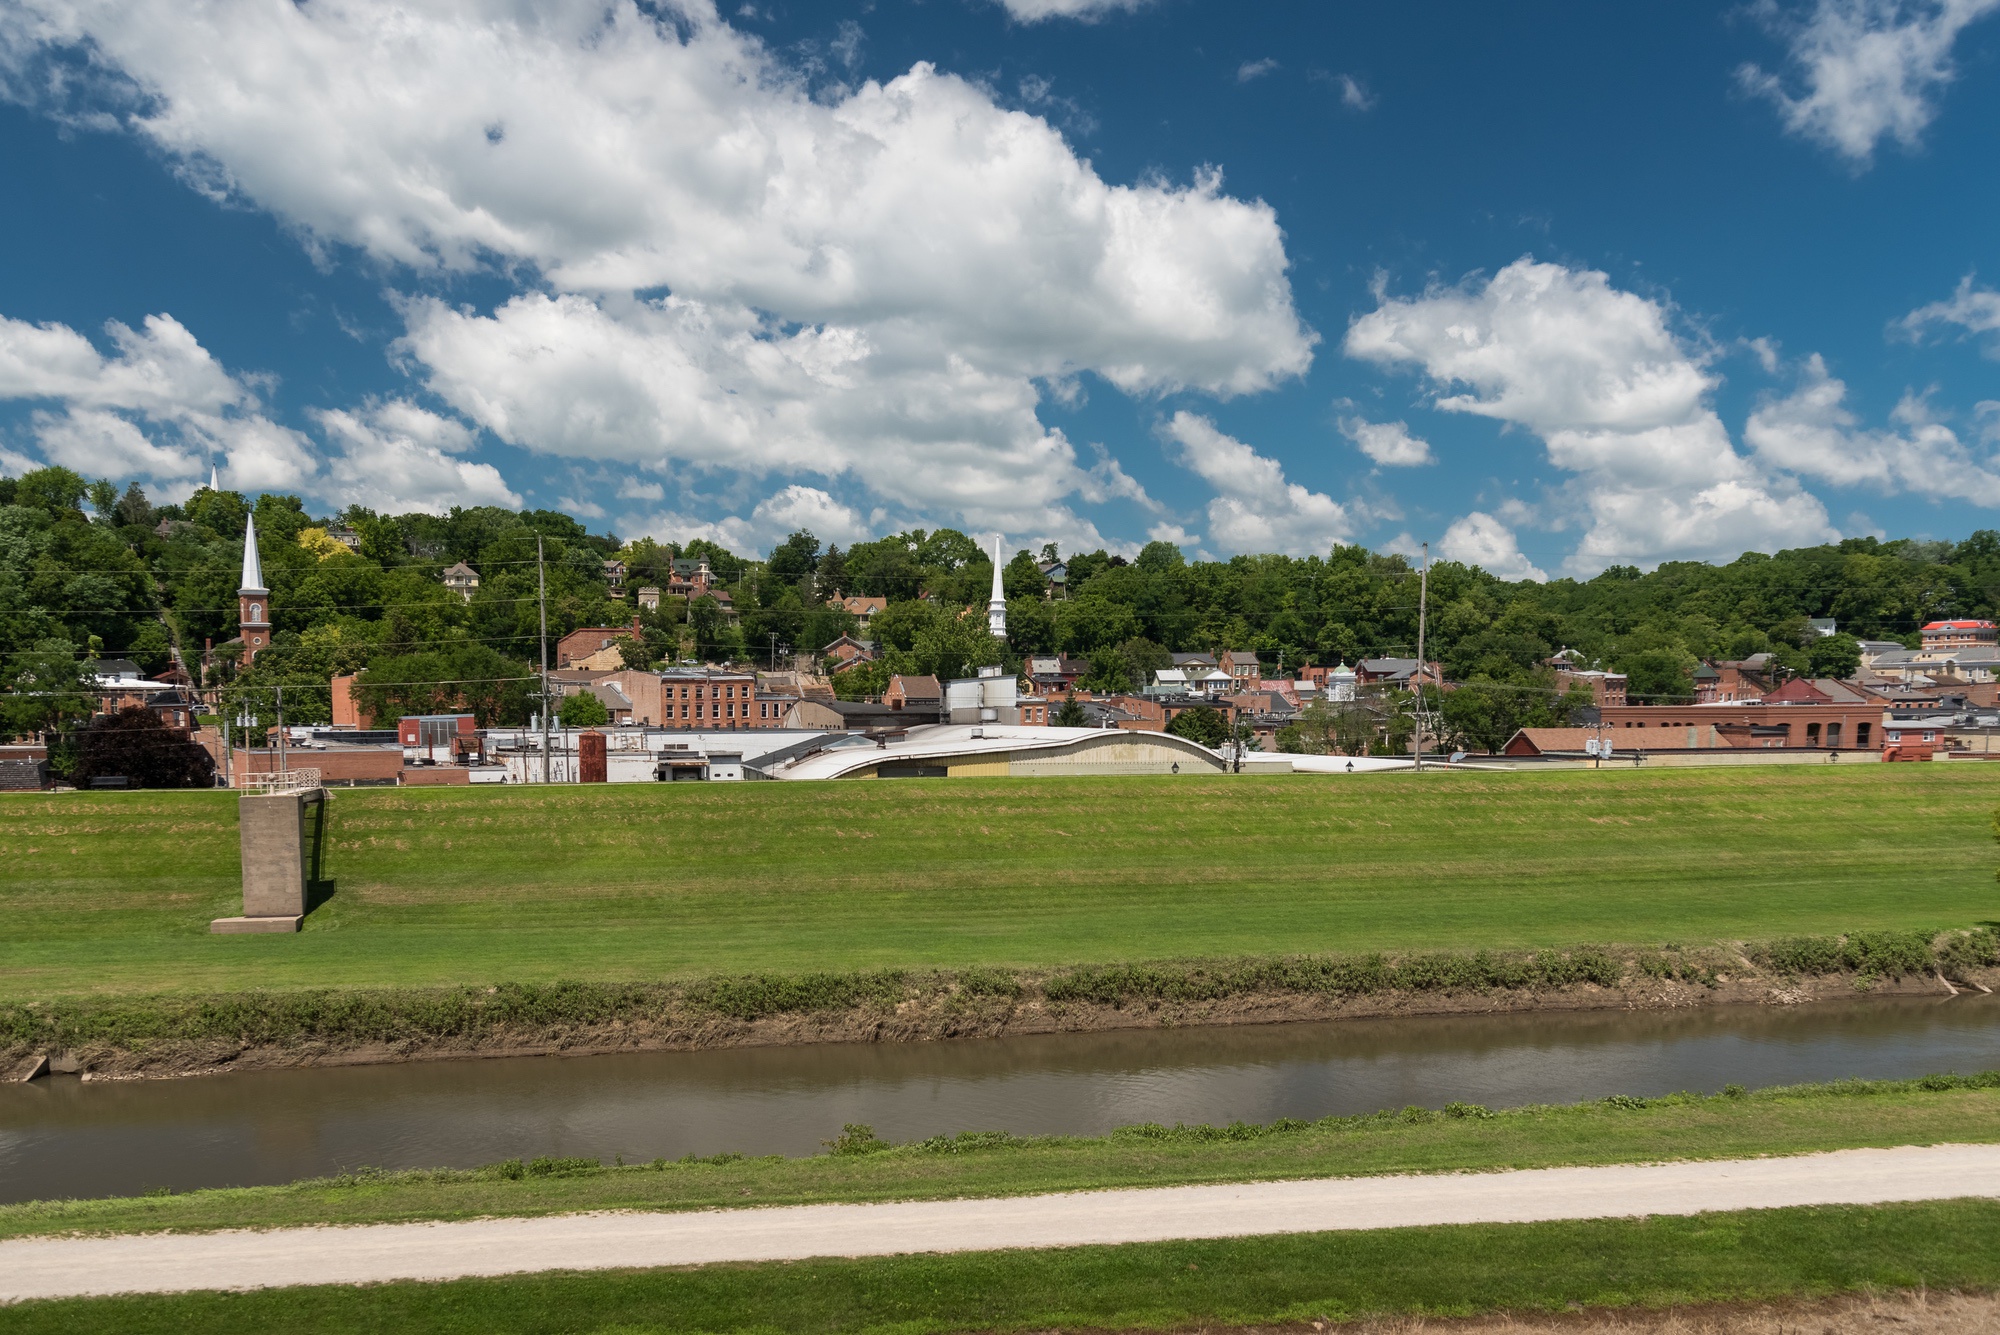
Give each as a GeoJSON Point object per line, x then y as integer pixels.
{"type": "Point", "coordinates": [846, 651]}
{"type": "Point", "coordinates": [617, 705]}
{"type": "Point", "coordinates": [1056, 675]}
{"type": "Point", "coordinates": [1824, 627]}
{"type": "Point", "coordinates": [614, 577]}
{"type": "Point", "coordinates": [1739, 681]}
{"type": "Point", "coordinates": [1395, 672]}
{"type": "Point", "coordinates": [1055, 578]}
{"type": "Point", "coordinates": [1242, 667]}
{"type": "Point", "coordinates": [345, 536]}
{"type": "Point", "coordinates": [117, 683]}
{"type": "Point", "coordinates": [461, 579]}
{"type": "Point", "coordinates": [596, 644]}
{"type": "Point", "coordinates": [1606, 688]}
{"type": "Point", "coordinates": [1186, 661]}
{"type": "Point", "coordinates": [863, 609]}
{"type": "Point", "coordinates": [1034, 712]}
{"type": "Point", "coordinates": [918, 693]}
{"type": "Point", "coordinates": [690, 578]}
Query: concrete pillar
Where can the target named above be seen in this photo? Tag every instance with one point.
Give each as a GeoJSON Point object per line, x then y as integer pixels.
{"type": "Point", "coordinates": [272, 828]}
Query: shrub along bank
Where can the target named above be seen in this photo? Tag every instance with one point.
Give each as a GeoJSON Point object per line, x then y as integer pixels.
{"type": "Point", "coordinates": [170, 1034]}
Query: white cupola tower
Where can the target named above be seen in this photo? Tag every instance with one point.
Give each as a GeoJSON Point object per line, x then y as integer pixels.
{"type": "Point", "coordinates": [996, 607]}
{"type": "Point", "coordinates": [253, 600]}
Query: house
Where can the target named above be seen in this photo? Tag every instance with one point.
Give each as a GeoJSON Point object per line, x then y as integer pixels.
{"type": "Point", "coordinates": [1056, 674]}
{"type": "Point", "coordinates": [1606, 688]}
{"type": "Point", "coordinates": [1823, 626]}
{"type": "Point", "coordinates": [1400, 672]}
{"type": "Point", "coordinates": [345, 536]}
{"type": "Point", "coordinates": [921, 693]}
{"type": "Point", "coordinates": [617, 705]}
{"type": "Point", "coordinates": [1874, 649]}
{"type": "Point", "coordinates": [862, 609]}
{"type": "Point", "coordinates": [1737, 681]}
{"type": "Point", "coordinates": [847, 651]}
{"type": "Point", "coordinates": [1186, 661]}
{"type": "Point", "coordinates": [690, 578]}
{"type": "Point", "coordinates": [614, 577]}
{"type": "Point", "coordinates": [1055, 578]}
{"type": "Point", "coordinates": [1960, 635]}
{"type": "Point", "coordinates": [117, 683]}
{"type": "Point", "coordinates": [591, 642]}
{"type": "Point", "coordinates": [461, 579]}
{"type": "Point", "coordinates": [1242, 667]}
{"type": "Point", "coordinates": [649, 598]}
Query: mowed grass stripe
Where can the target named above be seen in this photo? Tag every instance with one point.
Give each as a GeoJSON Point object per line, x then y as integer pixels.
{"type": "Point", "coordinates": [114, 891]}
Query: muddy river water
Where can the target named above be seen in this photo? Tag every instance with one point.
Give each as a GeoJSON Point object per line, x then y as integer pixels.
{"type": "Point", "coordinates": [61, 1136]}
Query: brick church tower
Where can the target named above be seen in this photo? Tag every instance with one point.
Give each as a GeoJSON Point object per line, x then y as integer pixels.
{"type": "Point", "coordinates": [253, 600]}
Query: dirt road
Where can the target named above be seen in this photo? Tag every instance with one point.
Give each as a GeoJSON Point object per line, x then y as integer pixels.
{"type": "Point", "coordinates": [159, 1263]}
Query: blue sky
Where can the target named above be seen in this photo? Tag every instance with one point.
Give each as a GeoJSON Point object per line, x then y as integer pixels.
{"type": "Point", "coordinates": [1552, 286]}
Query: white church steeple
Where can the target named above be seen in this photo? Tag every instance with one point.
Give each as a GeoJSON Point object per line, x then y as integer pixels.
{"type": "Point", "coordinates": [253, 599]}
{"type": "Point", "coordinates": [996, 607]}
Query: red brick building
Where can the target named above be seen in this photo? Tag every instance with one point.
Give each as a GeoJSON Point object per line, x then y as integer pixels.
{"type": "Point", "coordinates": [1844, 727]}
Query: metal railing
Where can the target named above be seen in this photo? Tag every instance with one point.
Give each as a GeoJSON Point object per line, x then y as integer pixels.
{"type": "Point", "coordinates": [282, 781]}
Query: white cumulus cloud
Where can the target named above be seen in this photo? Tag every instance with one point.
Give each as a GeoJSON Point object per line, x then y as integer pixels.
{"type": "Point", "coordinates": [879, 281]}
{"type": "Point", "coordinates": [1974, 309]}
{"type": "Point", "coordinates": [1033, 11]}
{"type": "Point", "coordinates": [396, 457]}
{"type": "Point", "coordinates": [1811, 431]}
{"type": "Point", "coordinates": [1481, 540]}
{"type": "Point", "coordinates": [1389, 444]}
{"type": "Point", "coordinates": [1255, 509]}
{"type": "Point", "coordinates": [1866, 70]}
{"type": "Point", "coordinates": [1616, 399]}
{"type": "Point", "coordinates": [158, 407]}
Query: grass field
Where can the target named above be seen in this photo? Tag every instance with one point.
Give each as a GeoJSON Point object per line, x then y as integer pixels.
{"type": "Point", "coordinates": [113, 892]}
{"type": "Point", "coordinates": [1757, 1254]}
{"type": "Point", "coordinates": [1798, 1120]}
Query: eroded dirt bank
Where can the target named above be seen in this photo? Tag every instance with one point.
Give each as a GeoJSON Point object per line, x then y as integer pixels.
{"type": "Point", "coordinates": [171, 1037]}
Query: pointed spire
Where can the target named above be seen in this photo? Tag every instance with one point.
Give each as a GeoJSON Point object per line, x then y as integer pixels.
{"type": "Point", "coordinates": [253, 568]}
{"type": "Point", "coordinates": [996, 607]}
{"type": "Point", "coordinates": [214, 479]}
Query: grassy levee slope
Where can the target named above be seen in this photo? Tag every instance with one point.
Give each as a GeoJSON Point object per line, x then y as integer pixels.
{"type": "Point", "coordinates": [113, 892]}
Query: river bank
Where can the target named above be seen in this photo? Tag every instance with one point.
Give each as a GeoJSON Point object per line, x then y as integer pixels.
{"type": "Point", "coordinates": [177, 1036]}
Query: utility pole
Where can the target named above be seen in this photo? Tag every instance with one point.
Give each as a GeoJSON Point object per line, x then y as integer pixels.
{"type": "Point", "coordinates": [281, 728]}
{"type": "Point", "coordinates": [542, 585]}
{"type": "Point", "coordinates": [1423, 609]}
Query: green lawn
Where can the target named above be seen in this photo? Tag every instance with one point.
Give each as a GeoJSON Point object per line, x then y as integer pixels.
{"type": "Point", "coordinates": [1758, 1254]}
{"type": "Point", "coordinates": [113, 892]}
{"type": "Point", "coordinates": [1848, 1115]}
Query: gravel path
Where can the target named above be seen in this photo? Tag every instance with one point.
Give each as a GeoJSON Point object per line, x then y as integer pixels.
{"type": "Point", "coordinates": [161, 1263]}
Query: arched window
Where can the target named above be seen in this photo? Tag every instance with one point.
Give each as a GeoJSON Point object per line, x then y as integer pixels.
{"type": "Point", "coordinates": [256, 611]}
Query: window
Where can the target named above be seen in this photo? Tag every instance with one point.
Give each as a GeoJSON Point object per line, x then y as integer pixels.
{"type": "Point", "coordinates": [1861, 734]}
{"type": "Point", "coordinates": [1833, 734]}
{"type": "Point", "coordinates": [1812, 734]}
{"type": "Point", "coordinates": [256, 611]}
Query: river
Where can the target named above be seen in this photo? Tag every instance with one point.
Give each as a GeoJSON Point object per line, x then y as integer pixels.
{"type": "Point", "coordinates": [61, 1136]}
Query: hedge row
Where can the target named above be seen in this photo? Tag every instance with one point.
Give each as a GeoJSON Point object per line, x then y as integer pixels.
{"type": "Point", "coordinates": [340, 1016]}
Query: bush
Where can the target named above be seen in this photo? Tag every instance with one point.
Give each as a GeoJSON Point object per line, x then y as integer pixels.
{"type": "Point", "coordinates": [583, 710]}
{"type": "Point", "coordinates": [135, 745]}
